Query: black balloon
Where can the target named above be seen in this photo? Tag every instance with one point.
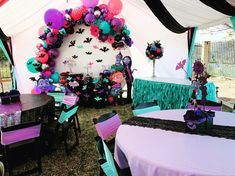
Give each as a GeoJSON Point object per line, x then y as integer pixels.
{"type": "Point", "coordinates": [69, 30]}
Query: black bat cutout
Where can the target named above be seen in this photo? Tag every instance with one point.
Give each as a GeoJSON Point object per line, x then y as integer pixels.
{"type": "Point", "coordinates": [99, 60]}
{"type": "Point", "coordinates": [72, 43]}
{"type": "Point", "coordinates": [104, 49]}
{"type": "Point", "coordinates": [88, 40]}
{"type": "Point", "coordinates": [75, 56]}
{"type": "Point", "coordinates": [80, 31]}
{"type": "Point", "coordinates": [88, 53]}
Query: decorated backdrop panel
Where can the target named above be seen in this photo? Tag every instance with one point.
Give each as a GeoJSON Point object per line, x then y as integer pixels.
{"type": "Point", "coordinates": [83, 53]}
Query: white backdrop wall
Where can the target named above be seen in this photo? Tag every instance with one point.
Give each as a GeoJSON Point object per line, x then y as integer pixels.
{"type": "Point", "coordinates": [93, 63]}
{"type": "Point", "coordinates": [144, 27]}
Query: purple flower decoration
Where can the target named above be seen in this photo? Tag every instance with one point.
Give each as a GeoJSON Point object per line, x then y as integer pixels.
{"type": "Point", "coordinates": [198, 67]}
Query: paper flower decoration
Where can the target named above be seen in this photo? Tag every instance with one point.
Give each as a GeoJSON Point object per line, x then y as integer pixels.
{"type": "Point", "coordinates": [154, 50]}
{"type": "Point", "coordinates": [198, 67]}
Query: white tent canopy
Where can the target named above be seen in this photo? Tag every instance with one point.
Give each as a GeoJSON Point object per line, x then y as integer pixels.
{"type": "Point", "coordinates": [22, 19]}
{"type": "Point", "coordinates": [16, 15]}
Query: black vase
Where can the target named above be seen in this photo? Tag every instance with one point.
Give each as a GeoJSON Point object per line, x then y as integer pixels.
{"type": "Point", "coordinates": [5, 97]}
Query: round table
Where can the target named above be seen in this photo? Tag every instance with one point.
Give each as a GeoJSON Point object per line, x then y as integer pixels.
{"type": "Point", "coordinates": [149, 151]}
{"type": "Point", "coordinates": [31, 106]}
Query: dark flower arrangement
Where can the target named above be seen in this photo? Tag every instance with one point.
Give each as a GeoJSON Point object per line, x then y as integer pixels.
{"type": "Point", "coordinates": [154, 50]}
{"type": "Point", "coordinates": [198, 67]}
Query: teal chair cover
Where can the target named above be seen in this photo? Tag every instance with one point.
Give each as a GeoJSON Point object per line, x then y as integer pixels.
{"type": "Point", "coordinates": [58, 96]}
{"type": "Point", "coordinates": [146, 110]}
{"type": "Point", "coordinates": [66, 115]}
{"type": "Point", "coordinates": [108, 166]}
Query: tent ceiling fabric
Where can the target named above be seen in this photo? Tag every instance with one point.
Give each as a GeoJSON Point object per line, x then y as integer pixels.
{"type": "Point", "coordinates": [18, 15]}
{"type": "Point", "coordinates": [190, 13]}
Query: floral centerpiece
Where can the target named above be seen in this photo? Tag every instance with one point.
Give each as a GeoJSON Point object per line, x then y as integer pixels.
{"type": "Point", "coordinates": [199, 120]}
{"type": "Point", "coordinates": [154, 51]}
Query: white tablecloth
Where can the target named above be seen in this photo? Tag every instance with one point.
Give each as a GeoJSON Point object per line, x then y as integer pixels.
{"type": "Point", "coordinates": [150, 152]}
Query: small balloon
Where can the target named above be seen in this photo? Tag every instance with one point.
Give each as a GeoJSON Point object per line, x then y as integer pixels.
{"type": "Point", "coordinates": [76, 14]}
{"type": "Point", "coordinates": [41, 30]}
{"type": "Point", "coordinates": [116, 24]}
{"type": "Point", "coordinates": [115, 6]}
{"type": "Point", "coordinates": [42, 57]}
{"type": "Point", "coordinates": [30, 65]}
{"type": "Point", "coordinates": [105, 27]}
{"type": "Point", "coordinates": [54, 19]}
{"type": "Point", "coordinates": [89, 19]}
{"type": "Point", "coordinates": [90, 3]}
{"type": "Point", "coordinates": [53, 53]}
{"type": "Point", "coordinates": [55, 77]}
{"type": "Point", "coordinates": [52, 38]}
{"type": "Point", "coordinates": [69, 30]}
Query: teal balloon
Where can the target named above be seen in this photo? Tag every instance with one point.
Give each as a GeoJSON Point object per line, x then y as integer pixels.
{"type": "Point", "coordinates": [127, 32]}
{"type": "Point", "coordinates": [105, 27]}
{"type": "Point", "coordinates": [30, 65]}
{"type": "Point", "coordinates": [55, 77]}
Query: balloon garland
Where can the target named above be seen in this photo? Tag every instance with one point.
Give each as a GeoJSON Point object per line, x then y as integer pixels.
{"type": "Point", "coordinates": [103, 25]}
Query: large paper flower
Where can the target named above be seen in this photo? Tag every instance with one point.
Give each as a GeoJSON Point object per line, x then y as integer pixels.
{"type": "Point", "coordinates": [95, 31]}
{"type": "Point", "coordinates": [198, 67]}
{"type": "Point", "coordinates": [110, 39]}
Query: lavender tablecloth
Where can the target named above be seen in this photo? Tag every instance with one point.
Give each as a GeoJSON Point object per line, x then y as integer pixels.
{"type": "Point", "coordinates": [151, 152]}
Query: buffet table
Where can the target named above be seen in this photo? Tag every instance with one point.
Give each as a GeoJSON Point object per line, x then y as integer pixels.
{"type": "Point", "coordinates": [169, 93]}
{"type": "Point", "coordinates": [149, 151]}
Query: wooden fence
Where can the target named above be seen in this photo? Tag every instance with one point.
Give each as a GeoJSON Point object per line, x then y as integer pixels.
{"type": "Point", "coordinates": [218, 52]}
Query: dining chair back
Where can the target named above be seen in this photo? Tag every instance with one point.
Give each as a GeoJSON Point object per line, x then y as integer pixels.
{"type": "Point", "coordinates": [20, 135]}
{"type": "Point", "coordinates": [106, 162]}
{"type": "Point", "coordinates": [145, 108]}
{"type": "Point", "coordinates": [58, 129]}
{"type": "Point", "coordinates": [107, 124]}
{"type": "Point", "coordinates": [209, 105]}
{"type": "Point", "coordinates": [58, 96]}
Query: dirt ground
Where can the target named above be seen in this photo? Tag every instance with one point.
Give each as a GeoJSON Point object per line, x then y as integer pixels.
{"type": "Point", "coordinates": [226, 91]}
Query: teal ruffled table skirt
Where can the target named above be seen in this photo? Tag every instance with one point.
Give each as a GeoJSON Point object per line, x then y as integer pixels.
{"type": "Point", "coordinates": [169, 95]}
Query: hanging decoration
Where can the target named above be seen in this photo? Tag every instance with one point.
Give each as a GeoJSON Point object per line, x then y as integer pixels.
{"type": "Point", "coordinates": [154, 51]}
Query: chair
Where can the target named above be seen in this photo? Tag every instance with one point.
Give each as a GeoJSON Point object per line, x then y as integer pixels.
{"type": "Point", "coordinates": [58, 96]}
{"type": "Point", "coordinates": [233, 111]}
{"type": "Point", "coordinates": [106, 162]}
{"type": "Point", "coordinates": [145, 108]}
{"type": "Point", "coordinates": [57, 130]}
{"type": "Point", "coordinates": [21, 136]}
{"type": "Point", "coordinates": [209, 105]}
{"type": "Point", "coordinates": [2, 170]}
{"type": "Point", "coordinates": [106, 127]}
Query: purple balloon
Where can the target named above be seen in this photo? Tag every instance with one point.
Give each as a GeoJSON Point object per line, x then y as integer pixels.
{"type": "Point", "coordinates": [116, 24]}
{"type": "Point", "coordinates": [52, 37]}
{"type": "Point", "coordinates": [89, 18]}
{"type": "Point", "coordinates": [53, 53]}
{"type": "Point", "coordinates": [54, 19]}
{"type": "Point", "coordinates": [51, 63]}
{"type": "Point", "coordinates": [90, 3]}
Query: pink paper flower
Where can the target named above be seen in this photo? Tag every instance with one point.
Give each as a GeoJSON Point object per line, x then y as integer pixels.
{"type": "Point", "coordinates": [95, 31]}
{"type": "Point", "coordinates": [110, 39]}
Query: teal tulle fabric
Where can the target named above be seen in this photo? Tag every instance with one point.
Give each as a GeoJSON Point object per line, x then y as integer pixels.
{"type": "Point", "coordinates": [211, 92]}
{"type": "Point", "coordinates": [168, 95]}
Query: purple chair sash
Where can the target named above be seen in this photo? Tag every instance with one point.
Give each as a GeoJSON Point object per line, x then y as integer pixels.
{"type": "Point", "coordinates": [108, 127]}
{"type": "Point", "coordinates": [11, 137]}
